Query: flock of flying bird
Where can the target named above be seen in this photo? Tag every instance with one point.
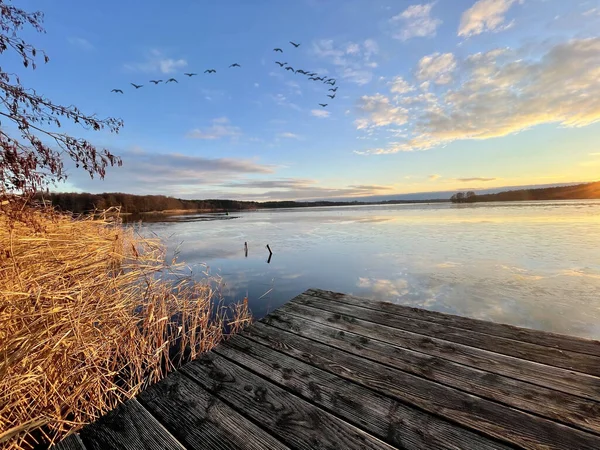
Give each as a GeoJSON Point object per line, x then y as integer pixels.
{"type": "Point", "coordinates": [313, 76]}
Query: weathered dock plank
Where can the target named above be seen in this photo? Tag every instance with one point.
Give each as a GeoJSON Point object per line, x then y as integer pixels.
{"type": "Point", "coordinates": [198, 419]}
{"type": "Point", "coordinates": [547, 339]}
{"type": "Point", "coordinates": [128, 427]}
{"type": "Point", "coordinates": [331, 370]}
{"type": "Point", "coordinates": [384, 417]}
{"type": "Point", "coordinates": [71, 442]}
{"type": "Point", "coordinates": [492, 419]}
{"type": "Point", "coordinates": [292, 419]}
{"type": "Point", "coordinates": [524, 350]}
{"type": "Point", "coordinates": [556, 378]}
{"type": "Point", "coordinates": [559, 406]}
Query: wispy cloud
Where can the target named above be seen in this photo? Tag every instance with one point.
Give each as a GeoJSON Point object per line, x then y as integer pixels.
{"type": "Point", "coordinates": [378, 111]}
{"type": "Point", "coordinates": [157, 62]}
{"type": "Point", "coordinates": [354, 60]}
{"type": "Point", "coordinates": [415, 21]}
{"type": "Point", "coordinates": [400, 86]}
{"type": "Point", "coordinates": [437, 68]}
{"type": "Point", "coordinates": [282, 100]}
{"type": "Point", "coordinates": [370, 187]}
{"type": "Point", "coordinates": [288, 135]}
{"type": "Point", "coordinates": [294, 87]}
{"type": "Point", "coordinates": [220, 128]}
{"type": "Point", "coordinates": [81, 43]}
{"type": "Point", "coordinates": [280, 183]}
{"type": "Point", "coordinates": [168, 173]}
{"type": "Point", "coordinates": [434, 177]}
{"type": "Point", "coordinates": [321, 113]}
{"type": "Point", "coordinates": [468, 180]}
{"type": "Point", "coordinates": [485, 15]}
{"type": "Point", "coordinates": [591, 12]}
{"type": "Point", "coordinates": [360, 77]}
{"type": "Point", "coordinates": [498, 93]}
{"type": "Point", "coordinates": [302, 189]}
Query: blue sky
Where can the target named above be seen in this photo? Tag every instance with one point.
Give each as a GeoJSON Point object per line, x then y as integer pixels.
{"type": "Point", "coordinates": [442, 95]}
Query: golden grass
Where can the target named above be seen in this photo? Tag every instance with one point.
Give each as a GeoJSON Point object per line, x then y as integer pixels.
{"type": "Point", "coordinates": [90, 315]}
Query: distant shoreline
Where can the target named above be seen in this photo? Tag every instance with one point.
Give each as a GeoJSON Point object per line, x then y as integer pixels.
{"type": "Point", "coordinates": [160, 205]}
{"type": "Point", "coordinates": [585, 191]}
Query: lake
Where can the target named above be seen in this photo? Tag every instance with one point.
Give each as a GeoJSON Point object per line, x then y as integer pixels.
{"type": "Point", "coordinates": [531, 264]}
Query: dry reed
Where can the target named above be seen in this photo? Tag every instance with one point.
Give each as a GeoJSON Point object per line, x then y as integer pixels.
{"type": "Point", "coordinates": [90, 314]}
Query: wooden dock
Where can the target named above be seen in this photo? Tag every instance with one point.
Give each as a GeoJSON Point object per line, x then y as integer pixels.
{"type": "Point", "coordinates": [333, 371]}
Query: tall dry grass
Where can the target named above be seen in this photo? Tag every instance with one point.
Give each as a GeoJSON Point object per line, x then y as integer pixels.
{"type": "Point", "coordinates": [89, 316]}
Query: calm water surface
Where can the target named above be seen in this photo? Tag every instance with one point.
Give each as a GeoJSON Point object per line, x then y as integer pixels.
{"type": "Point", "coordinates": [532, 264]}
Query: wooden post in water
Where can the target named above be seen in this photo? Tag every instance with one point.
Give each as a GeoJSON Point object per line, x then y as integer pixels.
{"type": "Point", "coordinates": [270, 254]}
{"type": "Point", "coordinates": [246, 249]}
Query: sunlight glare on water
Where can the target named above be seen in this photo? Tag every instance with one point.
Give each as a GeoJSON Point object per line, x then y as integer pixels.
{"type": "Point", "coordinates": [531, 264]}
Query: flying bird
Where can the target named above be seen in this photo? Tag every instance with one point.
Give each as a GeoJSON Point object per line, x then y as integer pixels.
{"type": "Point", "coordinates": [235, 65]}
{"type": "Point", "coordinates": [313, 78]}
{"type": "Point", "coordinates": [301, 71]}
{"type": "Point", "coordinates": [172, 80]}
{"type": "Point", "coordinates": [155, 81]}
{"type": "Point", "coordinates": [289, 68]}
{"type": "Point", "coordinates": [280, 63]}
{"type": "Point", "coordinates": [277, 50]}
{"type": "Point", "coordinates": [119, 91]}
{"type": "Point", "coordinates": [137, 86]}
{"type": "Point", "coordinates": [210, 71]}
{"type": "Point", "coordinates": [323, 104]}
{"type": "Point", "coordinates": [331, 96]}
{"type": "Point", "coordinates": [190, 74]}
{"type": "Point", "coordinates": [294, 44]}
{"type": "Point", "coordinates": [333, 89]}
{"type": "Point", "coordinates": [331, 82]}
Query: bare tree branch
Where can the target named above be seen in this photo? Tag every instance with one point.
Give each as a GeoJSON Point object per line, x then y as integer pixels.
{"type": "Point", "coordinates": [32, 159]}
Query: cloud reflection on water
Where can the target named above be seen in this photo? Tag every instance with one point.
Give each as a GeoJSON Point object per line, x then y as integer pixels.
{"type": "Point", "coordinates": [532, 266]}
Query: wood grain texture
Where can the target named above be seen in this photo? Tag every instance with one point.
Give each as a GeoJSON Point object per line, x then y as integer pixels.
{"type": "Point", "coordinates": [381, 416]}
{"type": "Point", "coordinates": [293, 420]}
{"type": "Point", "coordinates": [487, 417]}
{"type": "Point", "coordinates": [329, 371]}
{"type": "Point", "coordinates": [128, 427]}
{"type": "Point", "coordinates": [71, 442]}
{"type": "Point", "coordinates": [559, 406]}
{"type": "Point", "coordinates": [560, 358]}
{"type": "Point", "coordinates": [547, 339]}
{"type": "Point", "coordinates": [198, 419]}
{"type": "Point", "coordinates": [564, 380]}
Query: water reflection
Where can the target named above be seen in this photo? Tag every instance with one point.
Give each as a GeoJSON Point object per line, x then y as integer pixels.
{"type": "Point", "coordinates": [531, 264]}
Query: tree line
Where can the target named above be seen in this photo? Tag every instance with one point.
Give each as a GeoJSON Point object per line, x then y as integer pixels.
{"type": "Point", "coordinates": [136, 204]}
{"type": "Point", "coordinates": [80, 203]}
{"type": "Point", "coordinates": [461, 197]}
{"type": "Point", "coordinates": [573, 192]}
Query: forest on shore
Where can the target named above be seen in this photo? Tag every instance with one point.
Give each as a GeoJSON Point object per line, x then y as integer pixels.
{"type": "Point", "coordinates": [586, 191]}
{"type": "Point", "coordinates": [80, 203]}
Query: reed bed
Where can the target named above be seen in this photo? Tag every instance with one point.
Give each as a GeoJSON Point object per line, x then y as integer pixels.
{"type": "Point", "coordinates": [91, 314]}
